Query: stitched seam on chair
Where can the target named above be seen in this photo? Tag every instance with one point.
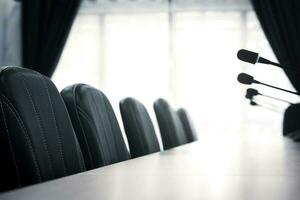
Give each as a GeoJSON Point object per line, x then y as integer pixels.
{"type": "Point", "coordinates": [100, 141]}
{"type": "Point", "coordinates": [106, 139]}
{"type": "Point", "coordinates": [80, 124]}
{"type": "Point", "coordinates": [149, 138]}
{"type": "Point", "coordinates": [10, 145]}
{"type": "Point", "coordinates": [84, 115]}
{"type": "Point", "coordinates": [114, 134]}
{"type": "Point", "coordinates": [147, 120]}
{"type": "Point", "coordinates": [62, 156]}
{"type": "Point", "coordinates": [139, 128]}
{"type": "Point", "coordinates": [28, 140]}
{"type": "Point", "coordinates": [90, 122]}
{"type": "Point", "coordinates": [44, 140]}
{"type": "Point", "coordinates": [165, 121]}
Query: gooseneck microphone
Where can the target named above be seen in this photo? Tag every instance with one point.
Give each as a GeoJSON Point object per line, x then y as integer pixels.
{"type": "Point", "coordinates": [254, 103]}
{"type": "Point", "coordinates": [248, 80]}
{"type": "Point", "coordinates": [253, 58]}
{"type": "Point", "coordinates": [253, 92]}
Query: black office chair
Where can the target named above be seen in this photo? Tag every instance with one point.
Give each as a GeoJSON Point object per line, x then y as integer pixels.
{"type": "Point", "coordinates": [291, 122]}
{"type": "Point", "coordinates": [37, 141]}
{"type": "Point", "coordinates": [96, 126]}
{"type": "Point", "coordinates": [187, 124]}
{"type": "Point", "coordinates": [138, 127]}
{"type": "Point", "coordinates": [170, 126]}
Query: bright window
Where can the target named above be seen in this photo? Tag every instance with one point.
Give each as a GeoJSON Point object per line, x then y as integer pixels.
{"type": "Point", "coordinates": [186, 56]}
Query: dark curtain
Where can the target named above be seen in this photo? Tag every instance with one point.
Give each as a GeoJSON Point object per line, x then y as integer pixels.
{"type": "Point", "coordinates": [45, 28]}
{"type": "Point", "coordinates": [280, 20]}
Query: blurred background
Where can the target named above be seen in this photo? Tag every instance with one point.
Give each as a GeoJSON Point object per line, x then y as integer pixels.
{"type": "Point", "coordinates": [182, 50]}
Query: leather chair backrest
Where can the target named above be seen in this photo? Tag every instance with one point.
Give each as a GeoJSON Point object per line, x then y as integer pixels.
{"type": "Point", "coordinates": [37, 141]}
{"type": "Point", "coordinates": [138, 127]}
{"type": "Point", "coordinates": [291, 119]}
{"type": "Point", "coordinates": [170, 126]}
{"type": "Point", "coordinates": [95, 125]}
{"type": "Point", "coordinates": [187, 124]}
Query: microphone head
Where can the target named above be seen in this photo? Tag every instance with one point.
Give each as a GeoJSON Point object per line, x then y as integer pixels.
{"type": "Point", "coordinates": [248, 96]}
{"type": "Point", "coordinates": [253, 103]}
{"type": "Point", "coordinates": [252, 92]}
{"type": "Point", "coordinates": [245, 79]}
{"type": "Point", "coordinates": [247, 56]}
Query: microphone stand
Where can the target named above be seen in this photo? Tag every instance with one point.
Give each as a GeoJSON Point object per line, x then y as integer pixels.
{"type": "Point", "coordinates": [271, 86]}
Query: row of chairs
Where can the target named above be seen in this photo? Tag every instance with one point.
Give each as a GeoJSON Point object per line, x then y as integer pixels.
{"type": "Point", "coordinates": [37, 123]}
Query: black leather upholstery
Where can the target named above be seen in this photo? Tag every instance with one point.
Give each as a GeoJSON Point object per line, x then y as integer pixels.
{"type": "Point", "coordinates": [187, 124]}
{"type": "Point", "coordinates": [291, 120]}
{"type": "Point", "coordinates": [37, 141]}
{"type": "Point", "coordinates": [96, 126]}
{"type": "Point", "coordinates": [170, 126]}
{"type": "Point", "coordinates": [138, 127]}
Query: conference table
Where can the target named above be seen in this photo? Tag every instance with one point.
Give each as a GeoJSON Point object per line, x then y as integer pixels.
{"type": "Point", "coordinates": [232, 168]}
